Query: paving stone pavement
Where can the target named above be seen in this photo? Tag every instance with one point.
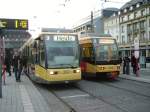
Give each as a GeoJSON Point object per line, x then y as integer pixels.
{"type": "Point", "coordinates": [21, 97]}
{"type": "Point", "coordinates": [144, 75]}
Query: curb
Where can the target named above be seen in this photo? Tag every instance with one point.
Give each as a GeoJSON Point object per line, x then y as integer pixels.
{"type": "Point", "coordinates": [140, 79]}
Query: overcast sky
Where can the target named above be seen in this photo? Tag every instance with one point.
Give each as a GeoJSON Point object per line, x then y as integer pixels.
{"type": "Point", "coordinates": [52, 13]}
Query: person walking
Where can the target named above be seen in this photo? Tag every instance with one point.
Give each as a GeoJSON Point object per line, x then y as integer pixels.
{"type": "Point", "coordinates": [7, 63]}
{"type": "Point", "coordinates": [124, 65]}
{"type": "Point", "coordinates": [16, 62]}
{"type": "Point", "coordinates": [126, 68]}
{"type": "Point", "coordinates": [24, 63]}
{"type": "Point", "coordinates": [135, 65]}
{"type": "Point", "coordinates": [20, 67]}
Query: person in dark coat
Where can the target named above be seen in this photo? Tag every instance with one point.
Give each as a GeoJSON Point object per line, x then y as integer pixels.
{"type": "Point", "coordinates": [8, 63]}
{"type": "Point", "coordinates": [134, 64]}
{"type": "Point", "coordinates": [16, 65]}
{"type": "Point", "coordinates": [126, 67]}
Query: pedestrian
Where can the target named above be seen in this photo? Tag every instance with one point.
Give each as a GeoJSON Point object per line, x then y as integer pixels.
{"type": "Point", "coordinates": [8, 63]}
{"type": "Point", "coordinates": [20, 67]}
{"type": "Point", "coordinates": [24, 63]}
{"type": "Point", "coordinates": [16, 59]}
{"type": "Point", "coordinates": [135, 65]}
{"type": "Point", "coordinates": [126, 68]}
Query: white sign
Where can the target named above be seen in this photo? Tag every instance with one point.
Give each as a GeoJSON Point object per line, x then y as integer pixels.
{"type": "Point", "coordinates": [64, 38]}
{"type": "Point", "coordinates": [136, 47]}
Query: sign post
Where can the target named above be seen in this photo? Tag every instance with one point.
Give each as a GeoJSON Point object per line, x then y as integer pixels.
{"type": "Point", "coordinates": [136, 47]}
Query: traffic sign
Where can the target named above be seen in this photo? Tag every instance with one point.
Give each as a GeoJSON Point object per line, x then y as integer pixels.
{"type": "Point", "coordinates": [14, 24]}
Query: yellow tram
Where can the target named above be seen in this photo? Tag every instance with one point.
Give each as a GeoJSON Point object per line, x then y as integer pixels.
{"type": "Point", "coordinates": [53, 58]}
{"type": "Point", "coordinates": [99, 55]}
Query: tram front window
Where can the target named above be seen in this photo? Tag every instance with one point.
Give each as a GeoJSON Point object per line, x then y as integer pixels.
{"type": "Point", "coordinates": [62, 54]}
{"type": "Point", "coordinates": [106, 51]}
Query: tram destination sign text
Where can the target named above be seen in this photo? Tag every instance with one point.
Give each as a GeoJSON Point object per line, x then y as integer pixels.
{"type": "Point", "coordinates": [14, 24]}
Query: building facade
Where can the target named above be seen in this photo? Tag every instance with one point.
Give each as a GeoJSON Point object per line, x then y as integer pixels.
{"type": "Point", "coordinates": [94, 23]}
{"type": "Point", "coordinates": [111, 26]}
{"type": "Point", "coordinates": [135, 24]}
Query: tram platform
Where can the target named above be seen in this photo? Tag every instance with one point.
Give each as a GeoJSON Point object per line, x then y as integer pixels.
{"type": "Point", "coordinates": [144, 75]}
{"type": "Point", "coordinates": [21, 96]}
{"type": "Point", "coordinates": [24, 97]}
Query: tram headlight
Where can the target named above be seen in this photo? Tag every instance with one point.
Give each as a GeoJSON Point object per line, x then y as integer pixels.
{"type": "Point", "coordinates": [76, 71]}
{"type": "Point", "coordinates": [51, 73]}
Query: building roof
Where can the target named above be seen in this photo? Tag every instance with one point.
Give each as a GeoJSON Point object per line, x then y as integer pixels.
{"type": "Point", "coordinates": [95, 35]}
{"type": "Point", "coordinates": [111, 9]}
{"type": "Point", "coordinates": [57, 30]}
{"type": "Point", "coordinates": [133, 2]}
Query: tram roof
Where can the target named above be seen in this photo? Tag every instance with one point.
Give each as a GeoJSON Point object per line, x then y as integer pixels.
{"type": "Point", "coordinates": [91, 36]}
{"type": "Point", "coordinates": [55, 33]}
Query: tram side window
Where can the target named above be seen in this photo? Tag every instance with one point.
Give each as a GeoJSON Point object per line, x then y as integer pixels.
{"type": "Point", "coordinates": [42, 54]}
{"type": "Point", "coordinates": [87, 52]}
{"type": "Point", "coordinates": [30, 55]}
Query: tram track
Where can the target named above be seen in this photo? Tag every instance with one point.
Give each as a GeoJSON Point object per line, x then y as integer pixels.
{"type": "Point", "coordinates": [127, 90]}
{"type": "Point", "coordinates": [122, 101]}
{"type": "Point", "coordinates": [102, 99]}
{"type": "Point", "coordinates": [90, 95]}
{"type": "Point", "coordinates": [82, 96]}
{"type": "Point", "coordinates": [78, 97]}
{"type": "Point", "coordinates": [114, 84]}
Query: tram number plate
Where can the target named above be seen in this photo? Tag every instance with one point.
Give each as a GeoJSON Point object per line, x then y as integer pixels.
{"type": "Point", "coordinates": [110, 68]}
{"type": "Point", "coordinates": [66, 71]}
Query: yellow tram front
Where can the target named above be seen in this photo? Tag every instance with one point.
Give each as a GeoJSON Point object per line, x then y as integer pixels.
{"type": "Point", "coordinates": [59, 58]}
{"type": "Point", "coordinates": [99, 56]}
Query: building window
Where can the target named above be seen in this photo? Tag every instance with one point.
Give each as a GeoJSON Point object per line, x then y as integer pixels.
{"type": "Point", "coordinates": [117, 38]}
{"type": "Point", "coordinates": [142, 24]}
{"type": "Point", "coordinates": [129, 17]}
{"type": "Point", "coordinates": [137, 5]}
{"type": "Point", "coordinates": [135, 15]}
{"type": "Point", "coordinates": [123, 39]}
{"type": "Point", "coordinates": [142, 36]}
{"type": "Point", "coordinates": [128, 38]}
{"type": "Point", "coordinates": [143, 12]}
{"type": "Point", "coordinates": [131, 8]}
{"type": "Point", "coordinates": [135, 27]}
{"type": "Point", "coordinates": [129, 28]}
{"type": "Point", "coordinates": [122, 19]}
{"type": "Point", "coordinates": [122, 29]}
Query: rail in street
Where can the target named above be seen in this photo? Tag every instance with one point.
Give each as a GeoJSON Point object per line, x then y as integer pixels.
{"type": "Point", "coordinates": [102, 95]}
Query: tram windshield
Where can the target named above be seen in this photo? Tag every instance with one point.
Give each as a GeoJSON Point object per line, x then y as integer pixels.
{"type": "Point", "coordinates": [106, 50]}
{"type": "Point", "coordinates": [62, 53]}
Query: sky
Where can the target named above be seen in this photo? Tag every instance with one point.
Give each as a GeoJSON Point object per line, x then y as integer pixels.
{"type": "Point", "coordinates": [53, 13]}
